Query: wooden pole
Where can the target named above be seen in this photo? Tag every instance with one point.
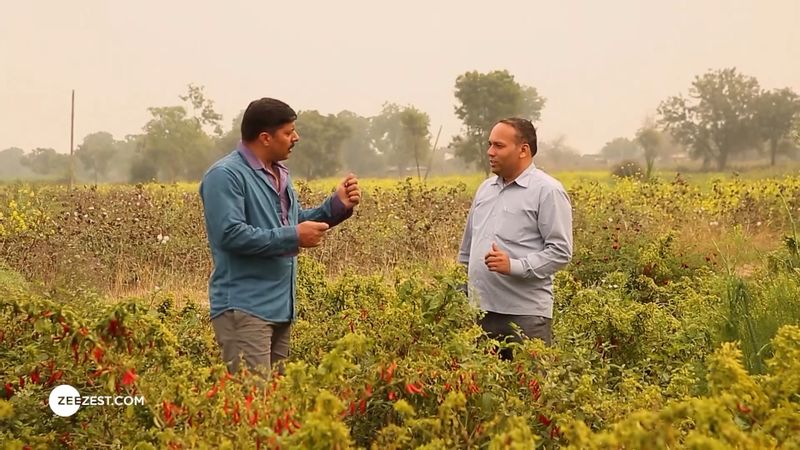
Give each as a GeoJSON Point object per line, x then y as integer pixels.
{"type": "Point", "coordinates": [72, 142]}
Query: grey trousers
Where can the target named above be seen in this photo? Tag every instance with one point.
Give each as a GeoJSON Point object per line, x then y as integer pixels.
{"type": "Point", "coordinates": [498, 326]}
{"type": "Point", "coordinates": [263, 345]}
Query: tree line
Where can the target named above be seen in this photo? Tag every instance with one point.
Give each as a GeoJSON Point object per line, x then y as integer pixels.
{"type": "Point", "coordinates": [725, 115]}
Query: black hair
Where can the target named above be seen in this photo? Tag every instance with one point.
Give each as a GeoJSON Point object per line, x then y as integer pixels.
{"type": "Point", "coordinates": [526, 132]}
{"type": "Point", "coordinates": [265, 115]}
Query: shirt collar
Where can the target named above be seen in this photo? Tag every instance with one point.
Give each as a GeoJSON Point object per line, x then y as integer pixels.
{"type": "Point", "coordinates": [523, 179]}
{"type": "Point", "coordinates": [254, 162]}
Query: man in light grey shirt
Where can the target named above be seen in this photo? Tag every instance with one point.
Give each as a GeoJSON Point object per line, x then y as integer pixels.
{"type": "Point", "coordinates": [518, 235]}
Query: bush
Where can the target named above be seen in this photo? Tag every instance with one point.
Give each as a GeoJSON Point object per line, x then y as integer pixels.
{"type": "Point", "coordinates": [628, 169]}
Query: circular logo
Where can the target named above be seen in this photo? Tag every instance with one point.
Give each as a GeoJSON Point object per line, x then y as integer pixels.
{"type": "Point", "coordinates": [65, 400]}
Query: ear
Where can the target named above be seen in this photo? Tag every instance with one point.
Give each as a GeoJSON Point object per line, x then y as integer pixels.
{"type": "Point", "coordinates": [265, 138]}
{"type": "Point", "coordinates": [525, 148]}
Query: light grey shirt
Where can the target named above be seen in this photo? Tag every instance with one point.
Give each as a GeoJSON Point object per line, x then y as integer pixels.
{"type": "Point", "coordinates": [531, 220]}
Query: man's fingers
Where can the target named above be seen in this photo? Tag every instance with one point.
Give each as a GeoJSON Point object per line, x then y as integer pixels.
{"type": "Point", "coordinates": [320, 226]}
{"type": "Point", "coordinates": [350, 180]}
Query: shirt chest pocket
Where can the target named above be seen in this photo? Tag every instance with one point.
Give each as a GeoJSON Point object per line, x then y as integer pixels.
{"type": "Point", "coordinates": [514, 225]}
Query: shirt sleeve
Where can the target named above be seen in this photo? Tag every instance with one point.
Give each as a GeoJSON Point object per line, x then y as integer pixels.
{"type": "Point", "coordinates": [555, 227]}
{"type": "Point", "coordinates": [332, 211]}
{"type": "Point", "coordinates": [466, 239]}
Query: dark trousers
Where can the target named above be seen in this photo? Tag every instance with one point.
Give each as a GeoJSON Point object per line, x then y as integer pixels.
{"type": "Point", "coordinates": [498, 326]}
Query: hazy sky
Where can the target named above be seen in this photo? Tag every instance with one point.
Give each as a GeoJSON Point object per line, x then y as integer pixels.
{"type": "Point", "coordinates": [602, 65]}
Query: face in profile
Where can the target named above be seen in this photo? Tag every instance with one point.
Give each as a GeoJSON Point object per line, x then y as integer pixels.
{"type": "Point", "coordinates": [281, 142]}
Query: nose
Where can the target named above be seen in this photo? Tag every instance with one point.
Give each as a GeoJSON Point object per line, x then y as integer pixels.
{"type": "Point", "coordinates": [491, 151]}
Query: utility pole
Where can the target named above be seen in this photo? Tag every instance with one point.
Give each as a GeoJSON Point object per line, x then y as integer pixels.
{"type": "Point", "coordinates": [72, 142]}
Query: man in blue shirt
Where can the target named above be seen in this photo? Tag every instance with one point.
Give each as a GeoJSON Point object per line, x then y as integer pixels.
{"type": "Point", "coordinates": [255, 228]}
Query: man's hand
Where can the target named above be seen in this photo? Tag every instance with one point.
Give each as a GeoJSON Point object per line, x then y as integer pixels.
{"type": "Point", "coordinates": [348, 191]}
{"type": "Point", "coordinates": [498, 261]}
{"type": "Point", "coordinates": [310, 233]}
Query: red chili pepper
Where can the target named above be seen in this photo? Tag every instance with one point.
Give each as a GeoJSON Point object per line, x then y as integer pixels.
{"type": "Point", "coordinates": [248, 401]}
{"type": "Point", "coordinates": [55, 376]}
{"type": "Point", "coordinates": [113, 327]}
{"type": "Point", "coordinates": [536, 390]}
{"type": "Point", "coordinates": [167, 412]}
{"type": "Point", "coordinates": [389, 372]}
{"type": "Point", "coordinates": [412, 388]}
{"type": "Point", "coordinates": [129, 377]}
{"type": "Point", "coordinates": [544, 420]}
{"type": "Point", "coordinates": [744, 409]}
{"type": "Point", "coordinates": [236, 413]}
{"type": "Point", "coordinates": [212, 392]}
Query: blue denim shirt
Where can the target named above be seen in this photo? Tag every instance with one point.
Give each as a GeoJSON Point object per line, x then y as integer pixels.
{"type": "Point", "coordinates": [253, 250]}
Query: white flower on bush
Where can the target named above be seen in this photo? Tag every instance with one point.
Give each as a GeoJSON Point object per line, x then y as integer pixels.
{"type": "Point", "coordinates": [713, 223]}
{"type": "Point", "coordinates": [162, 239]}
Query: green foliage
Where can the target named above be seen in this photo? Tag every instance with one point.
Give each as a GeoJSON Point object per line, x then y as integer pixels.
{"type": "Point", "coordinates": [317, 155]}
{"type": "Point", "coordinates": [46, 161]}
{"type": "Point", "coordinates": [629, 169]}
{"type": "Point", "coordinates": [483, 99]}
{"type": "Point", "coordinates": [386, 352]}
{"type": "Point", "coordinates": [621, 149]}
{"type": "Point", "coordinates": [96, 153]}
{"type": "Point", "coordinates": [718, 120]}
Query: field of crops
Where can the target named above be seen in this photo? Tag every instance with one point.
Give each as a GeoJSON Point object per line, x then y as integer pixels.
{"type": "Point", "coordinates": [677, 324]}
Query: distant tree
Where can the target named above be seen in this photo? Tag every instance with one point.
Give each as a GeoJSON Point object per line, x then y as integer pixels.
{"type": "Point", "coordinates": [97, 152]}
{"type": "Point", "coordinates": [46, 161]}
{"type": "Point", "coordinates": [317, 155]}
{"type": "Point", "coordinates": [777, 110]}
{"type": "Point", "coordinates": [358, 154]}
{"type": "Point", "coordinates": [718, 119]}
{"type": "Point", "coordinates": [555, 153]}
{"type": "Point", "coordinates": [651, 141]}
{"type": "Point", "coordinates": [386, 136]}
{"type": "Point", "coordinates": [229, 140]}
{"type": "Point", "coordinates": [203, 110]}
{"type": "Point", "coordinates": [620, 149]}
{"type": "Point", "coordinates": [416, 135]}
{"type": "Point", "coordinates": [796, 130]}
{"type": "Point", "coordinates": [175, 142]}
{"type": "Point", "coordinates": [483, 99]}
{"type": "Point", "coordinates": [10, 164]}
